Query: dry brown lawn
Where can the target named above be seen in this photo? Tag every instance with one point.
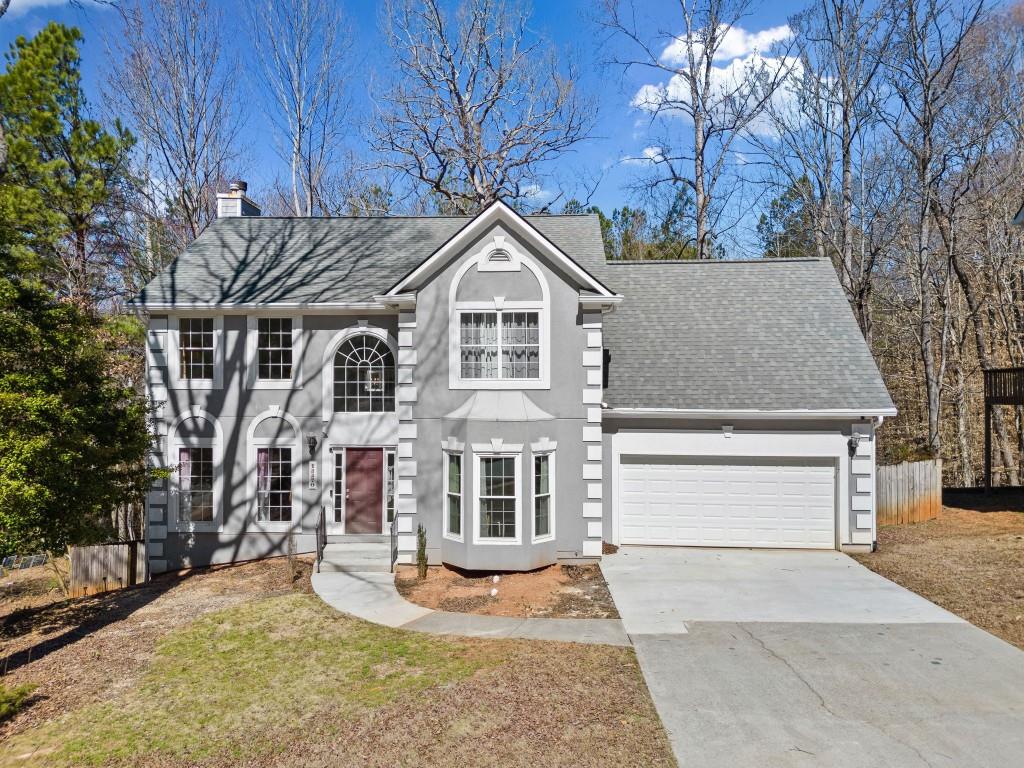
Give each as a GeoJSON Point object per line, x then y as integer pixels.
{"type": "Point", "coordinates": [558, 591]}
{"type": "Point", "coordinates": [968, 561]}
{"type": "Point", "coordinates": [239, 666]}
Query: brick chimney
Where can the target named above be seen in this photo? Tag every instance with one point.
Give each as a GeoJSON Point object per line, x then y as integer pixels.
{"type": "Point", "coordinates": [235, 202]}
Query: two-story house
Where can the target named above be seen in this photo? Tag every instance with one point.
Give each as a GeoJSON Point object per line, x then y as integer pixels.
{"type": "Point", "coordinates": [496, 380]}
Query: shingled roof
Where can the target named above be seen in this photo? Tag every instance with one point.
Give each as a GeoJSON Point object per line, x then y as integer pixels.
{"type": "Point", "coordinates": [766, 335]}
{"type": "Point", "coordinates": [264, 260]}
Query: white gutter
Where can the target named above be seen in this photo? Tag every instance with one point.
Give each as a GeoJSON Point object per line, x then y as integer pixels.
{"type": "Point", "coordinates": [270, 306]}
{"type": "Point", "coordinates": [699, 413]}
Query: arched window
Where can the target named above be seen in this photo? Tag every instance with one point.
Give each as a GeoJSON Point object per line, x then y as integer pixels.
{"type": "Point", "coordinates": [364, 376]}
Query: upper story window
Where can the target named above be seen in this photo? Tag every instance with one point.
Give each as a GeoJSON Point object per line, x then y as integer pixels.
{"type": "Point", "coordinates": [195, 348]}
{"type": "Point", "coordinates": [273, 348]}
{"type": "Point", "coordinates": [502, 344]}
{"type": "Point", "coordinates": [364, 376]}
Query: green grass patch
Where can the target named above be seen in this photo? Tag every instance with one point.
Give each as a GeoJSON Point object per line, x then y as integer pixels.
{"type": "Point", "coordinates": [233, 684]}
{"type": "Point", "coordinates": [13, 699]}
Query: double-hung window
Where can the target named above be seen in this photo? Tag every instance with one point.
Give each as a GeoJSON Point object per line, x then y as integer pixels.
{"type": "Point", "coordinates": [195, 484]}
{"type": "Point", "coordinates": [497, 496]}
{"type": "Point", "coordinates": [543, 495]}
{"type": "Point", "coordinates": [500, 344]}
{"type": "Point", "coordinates": [195, 349]}
{"type": "Point", "coordinates": [274, 472]}
{"type": "Point", "coordinates": [274, 348]}
{"type": "Point", "coordinates": [453, 494]}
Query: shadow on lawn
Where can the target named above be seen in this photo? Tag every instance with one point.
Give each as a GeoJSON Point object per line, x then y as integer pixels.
{"type": "Point", "coordinates": [67, 621]}
{"type": "Point", "coordinates": [980, 500]}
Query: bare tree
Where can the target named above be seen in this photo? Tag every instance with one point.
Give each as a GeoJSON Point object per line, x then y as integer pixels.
{"type": "Point", "coordinates": [178, 88]}
{"type": "Point", "coordinates": [825, 130]}
{"type": "Point", "coordinates": [478, 106]}
{"type": "Point", "coordinates": [923, 71]}
{"type": "Point", "coordinates": [720, 105]}
{"type": "Point", "coordinates": [302, 46]}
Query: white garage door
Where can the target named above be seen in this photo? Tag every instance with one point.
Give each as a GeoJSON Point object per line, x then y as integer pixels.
{"type": "Point", "coordinates": [727, 502]}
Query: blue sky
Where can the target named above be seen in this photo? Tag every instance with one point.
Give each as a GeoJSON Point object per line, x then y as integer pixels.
{"type": "Point", "coordinates": [621, 130]}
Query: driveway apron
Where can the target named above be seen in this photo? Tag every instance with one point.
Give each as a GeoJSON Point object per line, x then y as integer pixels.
{"type": "Point", "coordinates": [800, 658]}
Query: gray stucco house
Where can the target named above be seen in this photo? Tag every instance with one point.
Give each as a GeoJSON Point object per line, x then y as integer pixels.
{"type": "Point", "coordinates": [494, 379]}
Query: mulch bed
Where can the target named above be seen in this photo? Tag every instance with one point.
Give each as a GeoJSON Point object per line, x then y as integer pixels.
{"type": "Point", "coordinates": [968, 561]}
{"type": "Point", "coordinates": [558, 591]}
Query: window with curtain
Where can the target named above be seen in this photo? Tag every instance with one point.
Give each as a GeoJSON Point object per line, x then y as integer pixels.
{"type": "Point", "coordinates": [195, 485]}
{"type": "Point", "coordinates": [274, 485]}
{"type": "Point", "coordinates": [499, 345]}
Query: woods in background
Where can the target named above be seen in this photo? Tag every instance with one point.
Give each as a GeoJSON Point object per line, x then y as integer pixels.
{"type": "Point", "coordinates": [885, 136]}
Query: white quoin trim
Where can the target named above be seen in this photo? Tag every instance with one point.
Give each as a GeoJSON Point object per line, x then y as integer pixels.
{"type": "Point", "coordinates": [498, 211]}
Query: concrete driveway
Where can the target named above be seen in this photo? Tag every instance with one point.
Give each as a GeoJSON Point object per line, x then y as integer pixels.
{"type": "Point", "coordinates": [789, 658]}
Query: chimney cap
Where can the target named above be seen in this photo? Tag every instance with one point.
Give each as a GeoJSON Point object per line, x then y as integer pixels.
{"type": "Point", "coordinates": [238, 186]}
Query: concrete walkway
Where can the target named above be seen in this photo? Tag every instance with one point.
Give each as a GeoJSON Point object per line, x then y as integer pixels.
{"type": "Point", "coordinates": [372, 596]}
{"type": "Point", "coordinates": [791, 659]}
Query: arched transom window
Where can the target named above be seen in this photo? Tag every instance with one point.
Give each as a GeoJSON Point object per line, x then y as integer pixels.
{"type": "Point", "coordinates": [364, 376]}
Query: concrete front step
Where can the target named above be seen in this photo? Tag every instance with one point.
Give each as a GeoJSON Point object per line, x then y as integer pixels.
{"type": "Point", "coordinates": [362, 538]}
{"type": "Point", "coordinates": [356, 557]}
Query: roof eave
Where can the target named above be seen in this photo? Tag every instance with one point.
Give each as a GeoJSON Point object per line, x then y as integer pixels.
{"type": "Point", "coordinates": [753, 413]}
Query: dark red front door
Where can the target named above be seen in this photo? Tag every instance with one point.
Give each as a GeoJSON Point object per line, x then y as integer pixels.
{"type": "Point", "coordinates": [364, 489]}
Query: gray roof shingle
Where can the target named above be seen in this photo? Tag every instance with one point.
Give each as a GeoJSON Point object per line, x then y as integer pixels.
{"type": "Point", "coordinates": [761, 335]}
{"type": "Point", "coordinates": [757, 335]}
{"type": "Point", "coordinates": [257, 260]}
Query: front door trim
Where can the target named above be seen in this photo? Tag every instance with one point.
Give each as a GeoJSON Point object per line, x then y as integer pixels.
{"type": "Point", "coordinates": [338, 483]}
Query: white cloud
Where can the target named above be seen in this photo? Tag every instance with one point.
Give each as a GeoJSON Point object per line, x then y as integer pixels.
{"type": "Point", "coordinates": [536, 193]}
{"type": "Point", "coordinates": [647, 156]}
{"type": "Point", "coordinates": [740, 75]}
{"type": "Point", "coordinates": [736, 42]}
{"type": "Point", "coordinates": [21, 7]}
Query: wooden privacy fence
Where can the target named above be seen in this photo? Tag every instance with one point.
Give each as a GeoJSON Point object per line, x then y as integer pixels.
{"type": "Point", "coordinates": [102, 567]}
{"type": "Point", "coordinates": [910, 492]}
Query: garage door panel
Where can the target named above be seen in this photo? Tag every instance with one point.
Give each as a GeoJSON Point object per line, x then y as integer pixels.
{"type": "Point", "coordinates": [721, 502]}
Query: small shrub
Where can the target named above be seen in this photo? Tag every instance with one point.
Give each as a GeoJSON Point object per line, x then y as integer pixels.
{"type": "Point", "coordinates": [421, 552]}
{"type": "Point", "coordinates": [13, 699]}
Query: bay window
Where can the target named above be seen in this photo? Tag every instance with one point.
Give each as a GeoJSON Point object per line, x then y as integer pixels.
{"type": "Point", "coordinates": [543, 495]}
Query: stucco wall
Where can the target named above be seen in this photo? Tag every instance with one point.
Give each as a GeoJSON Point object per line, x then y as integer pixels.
{"type": "Point", "coordinates": [234, 405]}
{"type": "Point", "coordinates": [426, 332]}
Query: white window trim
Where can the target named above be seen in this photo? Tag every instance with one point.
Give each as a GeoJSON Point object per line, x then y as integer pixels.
{"type": "Point", "coordinates": [174, 442]}
{"type": "Point", "coordinates": [536, 452]}
{"type": "Point", "coordinates": [295, 444]}
{"type": "Point", "coordinates": [450, 450]}
{"type": "Point", "coordinates": [486, 451]}
{"type": "Point", "coordinates": [174, 353]}
{"type": "Point", "coordinates": [327, 369]}
{"type": "Point", "coordinates": [498, 304]}
{"type": "Point", "coordinates": [252, 349]}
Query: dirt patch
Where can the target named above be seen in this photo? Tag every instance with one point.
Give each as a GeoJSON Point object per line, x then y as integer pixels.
{"type": "Point", "coordinates": [558, 591]}
{"type": "Point", "coordinates": [969, 562]}
{"type": "Point", "coordinates": [158, 676]}
{"type": "Point", "coordinates": [86, 649]}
